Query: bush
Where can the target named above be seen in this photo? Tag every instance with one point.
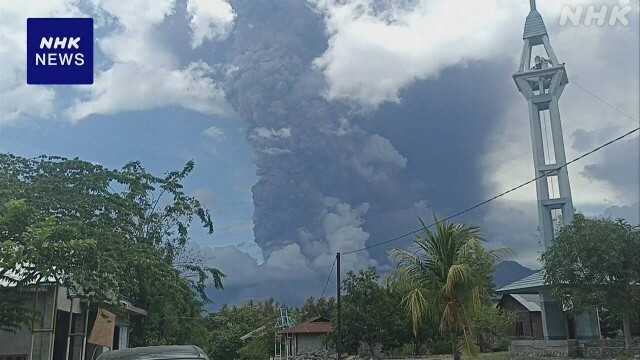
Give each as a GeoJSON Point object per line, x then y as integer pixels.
{"type": "Point", "coordinates": [405, 350]}
{"type": "Point", "coordinates": [441, 347]}
{"type": "Point", "coordinates": [504, 344]}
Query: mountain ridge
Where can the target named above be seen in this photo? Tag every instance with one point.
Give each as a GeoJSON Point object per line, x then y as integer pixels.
{"type": "Point", "coordinates": [508, 272]}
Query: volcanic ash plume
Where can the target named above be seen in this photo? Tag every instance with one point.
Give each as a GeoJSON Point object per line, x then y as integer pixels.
{"type": "Point", "coordinates": [314, 165]}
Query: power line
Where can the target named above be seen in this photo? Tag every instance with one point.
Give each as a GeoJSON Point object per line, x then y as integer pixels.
{"type": "Point", "coordinates": [605, 102]}
{"type": "Point", "coordinates": [328, 278]}
{"type": "Point", "coordinates": [497, 196]}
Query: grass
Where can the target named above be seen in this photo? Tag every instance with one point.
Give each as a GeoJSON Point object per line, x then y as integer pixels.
{"type": "Point", "coordinates": [496, 356]}
{"type": "Point", "coordinates": [488, 356]}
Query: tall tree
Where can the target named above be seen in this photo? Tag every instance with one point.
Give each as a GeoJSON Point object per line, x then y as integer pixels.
{"type": "Point", "coordinates": [230, 323]}
{"type": "Point", "coordinates": [448, 275]}
{"type": "Point", "coordinates": [398, 285]}
{"type": "Point", "coordinates": [594, 262]}
{"type": "Point", "coordinates": [104, 234]}
{"type": "Point", "coordinates": [371, 314]}
{"type": "Point", "coordinates": [324, 307]}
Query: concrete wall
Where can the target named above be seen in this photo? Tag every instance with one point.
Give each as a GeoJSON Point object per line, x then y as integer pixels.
{"type": "Point", "coordinates": [605, 348]}
{"type": "Point", "coordinates": [591, 349]}
{"type": "Point", "coordinates": [538, 332]}
{"type": "Point", "coordinates": [19, 343]}
{"type": "Point", "coordinates": [538, 349]}
{"type": "Point", "coordinates": [306, 343]}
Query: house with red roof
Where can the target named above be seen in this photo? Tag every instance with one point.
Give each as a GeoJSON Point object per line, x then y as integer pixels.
{"type": "Point", "coordinates": [306, 337]}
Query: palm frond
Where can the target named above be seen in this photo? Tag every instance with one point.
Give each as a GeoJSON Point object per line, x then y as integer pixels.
{"type": "Point", "coordinates": [459, 274]}
{"type": "Point", "coordinates": [417, 305]}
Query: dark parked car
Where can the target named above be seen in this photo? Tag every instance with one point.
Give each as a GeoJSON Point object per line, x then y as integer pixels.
{"type": "Point", "coordinates": [182, 352]}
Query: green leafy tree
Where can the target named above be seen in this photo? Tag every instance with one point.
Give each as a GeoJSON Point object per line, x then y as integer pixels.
{"type": "Point", "coordinates": [230, 323]}
{"type": "Point", "coordinates": [370, 314]}
{"type": "Point", "coordinates": [105, 234]}
{"type": "Point", "coordinates": [491, 324]}
{"type": "Point", "coordinates": [423, 333]}
{"type": "Point", "coordinates": [324, 307]}
{"type": "Point", "coordinates": [448, 275]}
{"type": "Point", "coordinates": [594, 262]}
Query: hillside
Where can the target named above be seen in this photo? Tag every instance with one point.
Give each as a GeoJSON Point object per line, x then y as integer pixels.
{"type": "Point", "coordinates": [507, 272]}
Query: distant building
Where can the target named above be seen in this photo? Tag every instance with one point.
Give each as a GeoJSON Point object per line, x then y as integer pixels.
{"type": "Point", "coordinates": [530, 287]}
{"type": "Point", "coordinates": [528, 322]}
{"type": "Point", "coordinates": [64, 326]}
{"type": "Point", "coordinates": [306, 337]}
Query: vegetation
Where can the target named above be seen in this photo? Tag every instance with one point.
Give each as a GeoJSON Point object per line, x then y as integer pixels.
{"type": "Point", "coordinates": [104, 235]}
{"type": "Point", "coordinates": [226, 326]}
{"type": "Point", "coordinates": [449, 280]}
{"type": "Point", "coordinates": [107, 235]}
{"type": "Point", "coordinates": [371, 314]}
{"type": "Point", "coordinates": [599, 258]}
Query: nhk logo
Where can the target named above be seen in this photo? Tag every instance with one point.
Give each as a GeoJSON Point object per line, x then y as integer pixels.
{"type": "Point", "coordinates": [586, 15]}
{"type": "Point", "coordinates": [53, 58]}
{"type": "Point", "coordinates": [60, 51]}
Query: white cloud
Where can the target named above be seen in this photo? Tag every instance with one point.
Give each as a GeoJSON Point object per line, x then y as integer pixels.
{"type": "Point", "coordinates": [126, 78]}
{"type": "Point", "coordinates": [210, 19]}
{"type": "Point", "coordinates": [275, 151]}
{"type": "Point", "coordinates": [205, 196]}
{"type": "Point", "coordinates": [269, 134]}
{"type": "Point", "coordinates": [373, 54]}
{"type": "Point", "coordinates": [289, 259]}
{"type": "Point", "coordinates": [342, 225]}
{"type": "Point", "coordinates": [377, 50]}
{"type": "Point", "coordinates": [214, 133]}
{"type": "Point", "coordinates": [17, 99]}
{"type": "Point", "coordinates": [148, 87]}
{"type": "Point", "coordinates": [25, 101]}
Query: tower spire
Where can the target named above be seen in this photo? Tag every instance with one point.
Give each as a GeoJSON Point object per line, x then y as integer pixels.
{"type": "Point", "coordinates": [542, 86]}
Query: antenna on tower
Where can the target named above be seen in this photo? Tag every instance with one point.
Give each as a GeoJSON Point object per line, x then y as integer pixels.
{"type": "Point", "coordinates": [533, 4]}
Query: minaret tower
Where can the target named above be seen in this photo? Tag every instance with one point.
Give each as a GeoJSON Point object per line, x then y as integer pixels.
{"type": "Point", "coordinates": [541, 82]}
{"type": "Point", "coordinates": [541, 79]}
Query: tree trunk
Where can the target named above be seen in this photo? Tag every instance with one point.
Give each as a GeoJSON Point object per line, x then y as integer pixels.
{"type": "Point", "coordinates": [416, 347]}
{"type": "Point", "coordinates": [626, 325]}
{"type": "Point", "coordinates": [456, 354]}
{"type": "Point", "coordinates": [456, 350]}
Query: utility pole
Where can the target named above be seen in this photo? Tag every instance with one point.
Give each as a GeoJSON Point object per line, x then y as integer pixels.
{"type": "Point", "coordinates": [339, 291]}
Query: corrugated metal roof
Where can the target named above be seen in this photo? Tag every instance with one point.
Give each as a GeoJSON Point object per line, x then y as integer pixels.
{"type": "Point", "coordinates": [257, 332]}
{"type": "Point", "coordinates": [534, 26]}
{"type": "Point", "coordinates": [19, 274]}
{"type": "Point", "coordinates": [524, 285]}
{"type": "Point", "coordinates": [530, 301]}
{"type": "Point", "coordinates": [316, 325]}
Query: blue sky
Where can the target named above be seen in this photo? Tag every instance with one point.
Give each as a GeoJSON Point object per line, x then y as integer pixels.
{"type": "Point", "coordinates": [162, 140]}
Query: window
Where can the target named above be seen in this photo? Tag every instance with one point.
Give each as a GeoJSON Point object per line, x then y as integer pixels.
{"type": "Point", "coordinates": [519, 328]}
{"type": "Point", "coordinates": [13, 357]}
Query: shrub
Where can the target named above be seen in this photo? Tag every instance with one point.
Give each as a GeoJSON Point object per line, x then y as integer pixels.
{"type": "Point", "coordinates": [504, 344]}
{"type": "Point", "coordinates": [441, 347]}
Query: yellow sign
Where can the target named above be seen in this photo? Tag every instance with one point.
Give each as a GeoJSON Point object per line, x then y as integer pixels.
{"type": "Point", "coordinates": [103, 329]}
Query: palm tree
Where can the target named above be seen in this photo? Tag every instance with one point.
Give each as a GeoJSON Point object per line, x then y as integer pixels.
{"type": "Point", "coordinates": [447, 278]}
